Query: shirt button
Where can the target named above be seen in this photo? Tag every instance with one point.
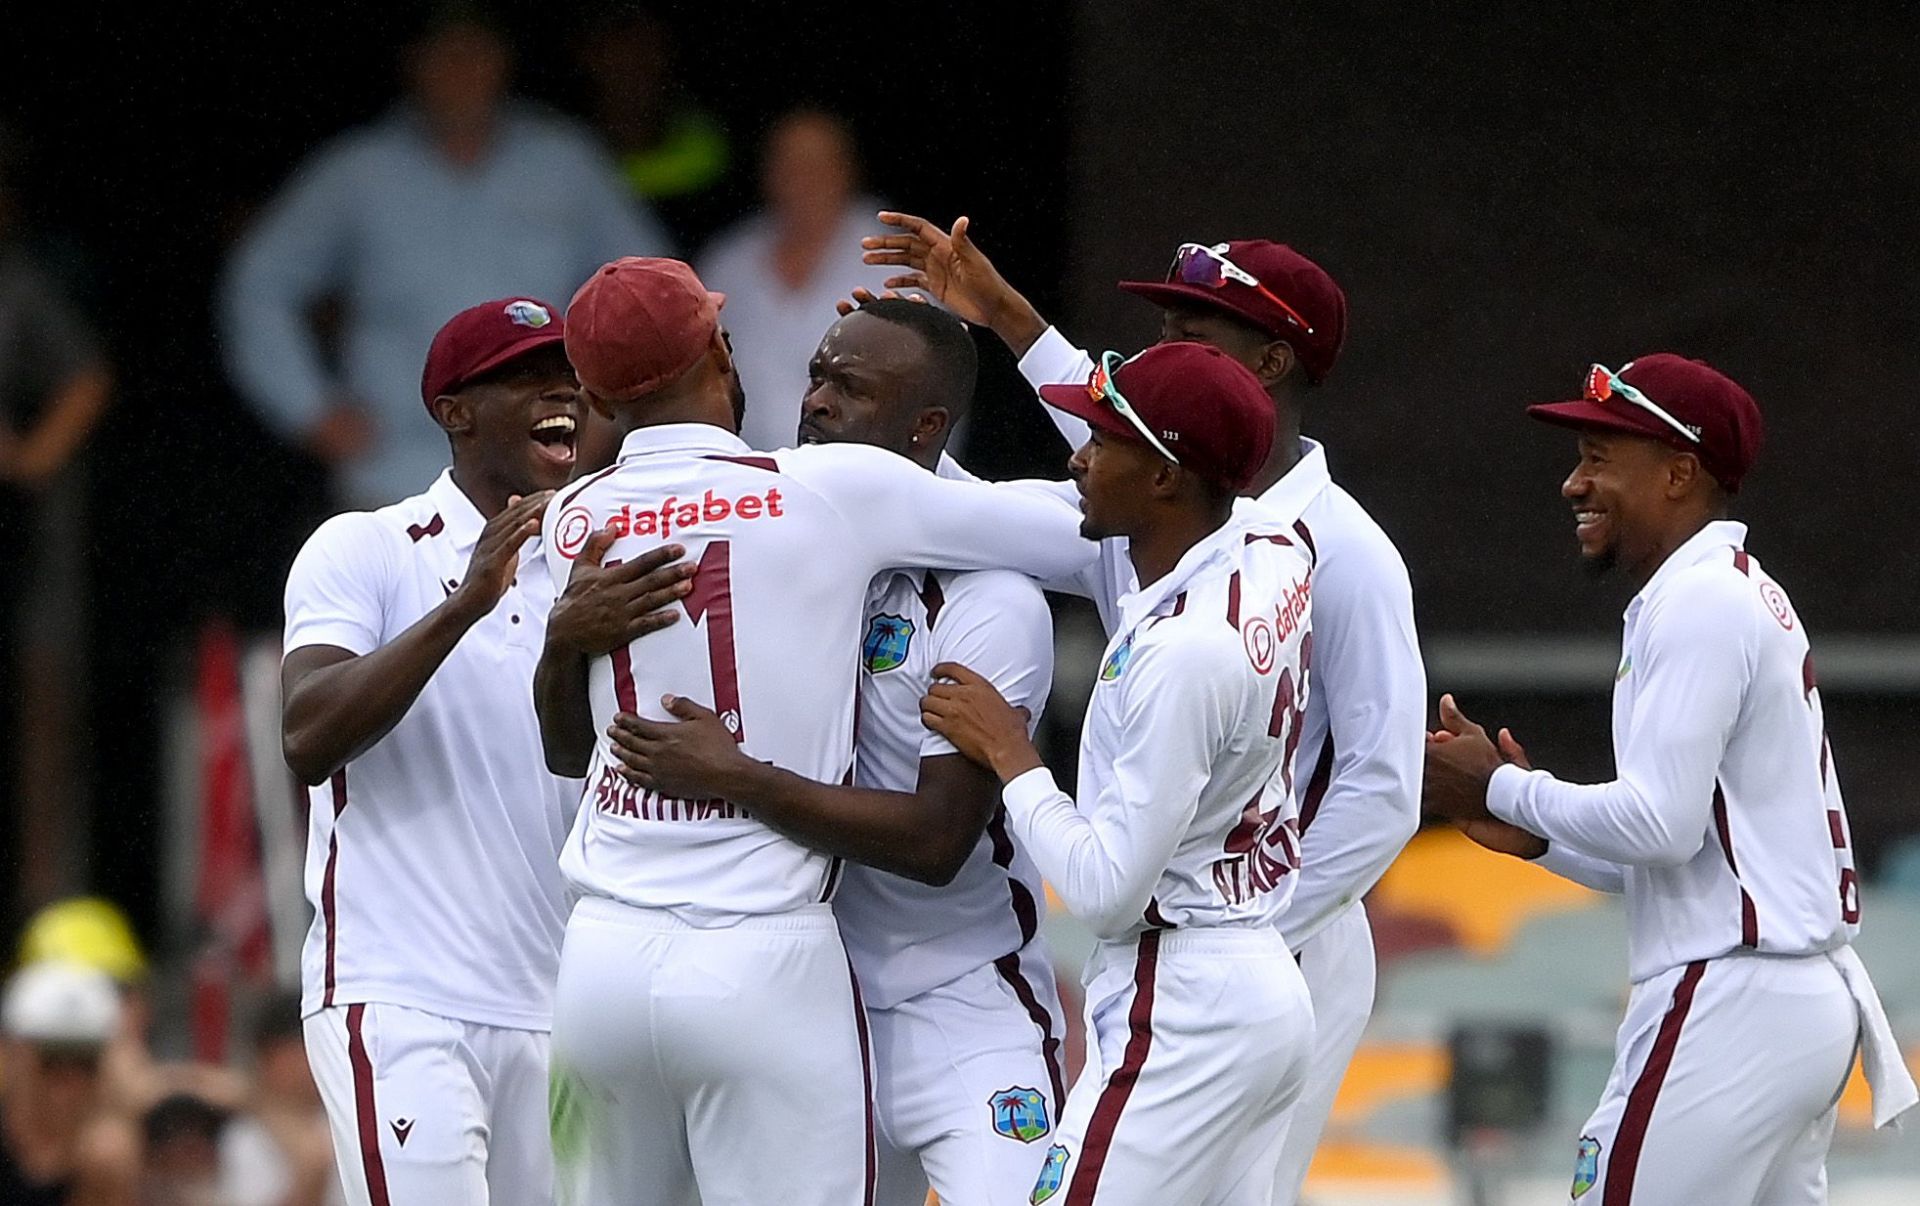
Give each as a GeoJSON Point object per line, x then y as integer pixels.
{"type": "Point", "coordinates": [515, 619]}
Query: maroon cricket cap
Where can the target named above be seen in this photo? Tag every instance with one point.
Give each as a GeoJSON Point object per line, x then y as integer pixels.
{"type": "Point", "coordinates": [638, 323]}
{"type": "Point", "coordinates": [1295, 300]}
{"type": "Point", "coordinates": [1705, 401]}
{"type": "Point", "coordinates": [481, 338]}
{"type": "Point", "coordinates": [1205, 406]}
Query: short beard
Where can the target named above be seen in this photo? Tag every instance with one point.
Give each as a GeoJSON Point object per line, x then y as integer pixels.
{"type": "Point", "coordinates": [739, 403]}
{"type": "Point", "coordinates": [1602, 563]}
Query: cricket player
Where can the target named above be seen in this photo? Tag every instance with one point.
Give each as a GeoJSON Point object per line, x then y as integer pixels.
{"type": "Point", "coordinates": [1183, 845]}
{"type": "Point", "coordinates": [708, 1033]}
{"type": "Point", "coordinates": [1725, 828]}
{"type": "Point", "coordinates": [1282, 316]}
{"type": "Point", "coordinates": [940, 909]}
{"type": "Point", "coordinates": [434, 830]}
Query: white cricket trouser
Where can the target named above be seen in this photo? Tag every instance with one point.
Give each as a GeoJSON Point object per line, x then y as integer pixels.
{"type": "Point", "coordinates": [1723, 1088]}
{"type": "Point", "coordinates": [425, 1108]}
{"type": "Point", "coordinates": [726, 1066]}
{"type": "Point", "coordinates": [1197, 1045]}
{"type": "Point", "coordinates": [1338, 965]}
{"type": "Point", "coordinates": [967, 1085]}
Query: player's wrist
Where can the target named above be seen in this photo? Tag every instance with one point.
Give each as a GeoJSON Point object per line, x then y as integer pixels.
{"type": "Point", "coordinates": [1018, 324]}
{"type": "Point", "coordinates": [1013, 759]}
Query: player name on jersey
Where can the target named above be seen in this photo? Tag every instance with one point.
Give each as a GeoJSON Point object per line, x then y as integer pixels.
{"type": "Point", "coordinates": [616, 795]}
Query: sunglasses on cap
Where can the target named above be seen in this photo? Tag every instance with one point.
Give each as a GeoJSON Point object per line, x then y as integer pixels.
{"type": "Point", "coordinates": [1603, 383]}
{"type": "Point", "coordinates": [1198, 264]}
{"type": "Point", "coordinates": [1100, 388]}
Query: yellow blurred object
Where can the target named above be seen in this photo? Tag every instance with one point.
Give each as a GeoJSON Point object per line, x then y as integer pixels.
{"type": "Point", "coordinates": [1345, 1161]}
{"type": "Point", "coordinates": [1383, 1073]}
{"type": "Point", "coordinates": [88, 930]}
{"type": "Point", "coordinates": [1856, 1100]}
{"type": "Point", "coordinates": [1483, 896]}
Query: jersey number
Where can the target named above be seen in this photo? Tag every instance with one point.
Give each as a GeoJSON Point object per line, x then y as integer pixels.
{"type": "Point", "coordinates": [710, 600]}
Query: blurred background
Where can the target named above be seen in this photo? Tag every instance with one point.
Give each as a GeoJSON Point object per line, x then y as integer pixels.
{"type": "Point", "coordinates": [227, 231]}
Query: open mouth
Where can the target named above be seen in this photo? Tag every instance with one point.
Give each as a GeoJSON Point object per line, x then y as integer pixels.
{"type": "Point", "coordinates": [1587, 522]}
{"type": "Point", "coordinates": [555, 437]}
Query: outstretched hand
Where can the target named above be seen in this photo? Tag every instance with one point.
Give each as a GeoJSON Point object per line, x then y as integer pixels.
{"type": "Point", "coordinates": [949, 267]}
{"type": "Point", "coordinates": [496, 555]}
{"type": "Point", "coordinates": [967, 710]}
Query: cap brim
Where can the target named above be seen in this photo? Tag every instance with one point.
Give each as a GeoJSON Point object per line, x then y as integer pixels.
{"type": "Point", "coordinates": [1075, 400]}
{"type": "Point", "coordinates": [533, 341]}
{"type": "Point", "coordinates": [1588, 415]}
{"type": "Point", "coordinates": [1179, 293]}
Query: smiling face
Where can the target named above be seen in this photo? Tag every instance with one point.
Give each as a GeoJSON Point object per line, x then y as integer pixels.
{"type": "Point", "coordinates": [518, 424]}
{"type": "Point", "coordinates": [1623, 492]}
{"type": "Point", "coordinates": [865, 386]}
{"type": "Point", "coordinates": [1116, 478]}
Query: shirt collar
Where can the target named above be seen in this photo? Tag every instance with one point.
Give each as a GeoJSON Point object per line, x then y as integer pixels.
{"type": "Point", "coordinates": [1144, 600]}
{"type": "Point", "coordinates": [681, 437]}
{"type": "Point", "coordinates": [1708, 542]}
{"type": "Point", "coordinates": [1301, 484]}
{"type": "Point", "coordinates": [462, 519]}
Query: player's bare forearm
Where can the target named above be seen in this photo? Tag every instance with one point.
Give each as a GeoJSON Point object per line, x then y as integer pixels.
{"type": "Point", "coordinates": [925, 836]}
{"type": "Point", "coordinates": [336, 705]}
{"type": "Point", "coordinates": [565, 710]}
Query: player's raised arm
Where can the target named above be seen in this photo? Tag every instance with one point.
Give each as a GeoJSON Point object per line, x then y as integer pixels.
{"type": "Point", "coordinates": [340, 693]}
{"type": "Point", "coordinates": [947, 266]}
{"type": "Point", "coordinates": [950, 267]}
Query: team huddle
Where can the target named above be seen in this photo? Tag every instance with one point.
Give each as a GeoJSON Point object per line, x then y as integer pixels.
{"type": "Point", "coordinates": [677, 832]}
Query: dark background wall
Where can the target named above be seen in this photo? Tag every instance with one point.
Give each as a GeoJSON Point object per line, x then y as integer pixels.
{"type": "Point", "coordinates": [1509, 192]}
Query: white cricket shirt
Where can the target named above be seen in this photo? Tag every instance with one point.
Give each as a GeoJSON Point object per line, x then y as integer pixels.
{"type": "Point", "coordinates": [905, 937]}
{"type": "Point", "coordinates": [432, 859]}
{"type": "Point", "coordinates": [786, 544]}
{"type": "Point", "coordinates": [1725, 828]}
{"type": "Point", "coordinates": [1186, 815]}
{"type": "Point", "coordinates": [1360, 758]}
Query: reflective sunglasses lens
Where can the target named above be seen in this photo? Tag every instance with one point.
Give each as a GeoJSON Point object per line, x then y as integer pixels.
{"type": "Point", "coordinates": [1599, 384]}
{"type": "Point", "coordinates": [1193, 266]}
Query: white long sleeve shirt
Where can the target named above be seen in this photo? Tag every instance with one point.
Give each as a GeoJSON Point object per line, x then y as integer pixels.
{"type": "Point", "coordinates": [1359, 760]}
{"type": "Point", "coordinates": [786, 544]}
{"type": "Point", "coordinates": [1725, 828]}
{"type": "Point", "coordinates": [1185, 818]}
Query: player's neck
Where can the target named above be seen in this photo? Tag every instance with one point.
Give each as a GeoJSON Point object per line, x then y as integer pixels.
{"type": "Point", "coordinates": [1640, 570]}
{"type": "Point", "coordinates": [1286, 449]}
{"type": "Point", "coordinates": [1157, 549]}
{"type": "Point", "coordinates": [488, 497]}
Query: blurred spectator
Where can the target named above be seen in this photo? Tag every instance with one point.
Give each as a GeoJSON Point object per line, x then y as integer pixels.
{"type": "Point", "coordinates": [278, 1152]}
{"type": "Point", "coordinates": [181, 1158]}
{"type": "Point", "coordinates": [93, 933]}
{"type": "Point", "coordinates": [53, 388]}
{"type": "Point", "coordinates": [60, 1145]}
{"type": "Point", "coordinates": [784, 268]}
{"type": "Point", "coordinates": [672, 153]}
{"type": "Point", "coordinates": [458, 195]}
